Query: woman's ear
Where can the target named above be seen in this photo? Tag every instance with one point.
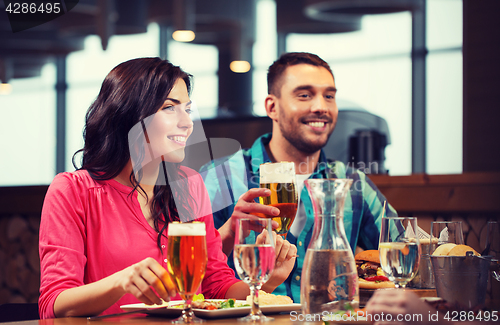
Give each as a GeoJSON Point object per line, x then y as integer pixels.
{"type": "Point", "coordinates": [271, 105]}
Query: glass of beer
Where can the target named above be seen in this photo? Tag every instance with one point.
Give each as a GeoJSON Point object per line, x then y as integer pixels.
{"type": "Point", "coordinates": [187, 262]}
{"type": "Point", "coordinates": [280, 179]}
{"type": "Point", "coordinates": [399, 249]}
{"type": "Point", "coordinates": [254, 258]}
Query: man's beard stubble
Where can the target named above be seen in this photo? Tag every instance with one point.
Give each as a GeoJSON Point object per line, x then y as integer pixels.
{"type": "Point", "coordinates": [300, 142]}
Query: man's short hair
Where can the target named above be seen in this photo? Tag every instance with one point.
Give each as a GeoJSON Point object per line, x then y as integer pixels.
{"type": "Point", "coordinates": [286, 60]}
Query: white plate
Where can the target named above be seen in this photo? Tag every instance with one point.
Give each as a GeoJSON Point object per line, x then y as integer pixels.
{"type": "Point", "coordinates": [431, 299]}
{"type": "Point", "coordinates": [218, 313]}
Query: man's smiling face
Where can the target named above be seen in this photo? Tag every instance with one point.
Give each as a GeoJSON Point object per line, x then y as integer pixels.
{"type": "Point", "coordinates": [307, 110]}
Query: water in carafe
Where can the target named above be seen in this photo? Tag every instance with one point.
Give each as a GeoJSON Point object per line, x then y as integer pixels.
{"type": "Point", "coordinates": [329, 276]}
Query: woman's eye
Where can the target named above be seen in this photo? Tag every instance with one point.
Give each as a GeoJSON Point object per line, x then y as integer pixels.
{"type": "Point", "coordinates": [169, 108]}
{"type": "Point", "coordinates": [189, 110]}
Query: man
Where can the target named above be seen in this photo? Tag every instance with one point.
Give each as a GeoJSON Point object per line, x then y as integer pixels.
{"type": "Point", "coordinates": [301, 103]}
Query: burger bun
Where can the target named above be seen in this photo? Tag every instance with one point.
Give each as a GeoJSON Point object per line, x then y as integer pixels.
{"type": "Point", "coordinates": [368, 256]}
{"type": "Point", "coordinates": [461, 250]}
{"type": "Point", "coordinates": [454, 250]}
{"type": "Point", "coordinates": [443, 249]}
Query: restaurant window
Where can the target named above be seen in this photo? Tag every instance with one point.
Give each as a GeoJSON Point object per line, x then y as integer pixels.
{"type": "Point", "coordinates": [27, 124]}
{"type": "Point", "coordinates": [372, 69]}
{"type": "Point", "coordinates": [86, 71]}
{"type": "Point", "coordinates": [444, 87]}
{"type": "Point", "coordinates": [202, 62]}
{"type": "Point", "coordinates": [264, 52]}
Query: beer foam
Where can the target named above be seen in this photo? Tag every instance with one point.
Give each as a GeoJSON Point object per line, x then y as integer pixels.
{"type": "Point", "coordinates": [186, 229]}
{"type": "Point", "coordinates": [283, 172]}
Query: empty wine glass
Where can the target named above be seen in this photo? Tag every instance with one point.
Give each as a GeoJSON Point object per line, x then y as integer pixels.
{"type": "Point", "coordinates": [399, 249]}
{"type": "Point", "coordinates": [446, 232]}
{"type": "Point", "coordinates": [254, 258]}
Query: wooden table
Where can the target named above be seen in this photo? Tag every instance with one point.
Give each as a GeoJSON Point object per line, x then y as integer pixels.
{"type": "Point", "coordinates": [281, 319]}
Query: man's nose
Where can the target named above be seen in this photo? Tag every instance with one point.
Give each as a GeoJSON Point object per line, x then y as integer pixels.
{"type": "Point", "coordinates": [319, 105]}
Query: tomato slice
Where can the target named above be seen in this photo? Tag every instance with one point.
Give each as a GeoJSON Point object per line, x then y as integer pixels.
{"type": "Point", "coordinates": [377, 278]}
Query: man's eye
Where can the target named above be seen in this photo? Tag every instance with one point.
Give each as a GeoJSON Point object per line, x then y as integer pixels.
{"type": "Point", "coordinates": [330, 96]}
{"type": "Point", "coordinates": [303, 95]}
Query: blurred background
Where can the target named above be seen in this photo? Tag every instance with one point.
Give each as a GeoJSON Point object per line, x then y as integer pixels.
{"type": "Point", "coordinates": [392, 59]}
{"type": "Point", "coordinates": [417, 83]}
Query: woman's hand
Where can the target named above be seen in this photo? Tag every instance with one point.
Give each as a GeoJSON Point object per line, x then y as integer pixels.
{"type": "Point", "coordinates": [141, 278]}
{"type": "Point", "coordinates": [246, 207]}
{"type": "Point", "coordinates": [286, 254]}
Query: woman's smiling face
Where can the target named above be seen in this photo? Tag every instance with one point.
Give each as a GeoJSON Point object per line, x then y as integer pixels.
{"type": "Point", "coordinates": [168, 130]}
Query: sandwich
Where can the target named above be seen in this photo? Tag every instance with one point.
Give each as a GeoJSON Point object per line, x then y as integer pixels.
{"type": "Point", "coordinates": [268, 299]}
{"type": "Point", "coordinates": [370, 274]}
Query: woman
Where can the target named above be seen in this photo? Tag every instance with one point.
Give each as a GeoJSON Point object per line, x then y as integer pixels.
{"type": "Point", "coordinates": [103, 228]}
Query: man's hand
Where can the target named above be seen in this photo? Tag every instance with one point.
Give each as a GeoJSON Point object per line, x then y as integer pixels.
{"type": "Point", "coordinates": [286, 254]}
{"type": "Point", "coordinates": [244, 208]}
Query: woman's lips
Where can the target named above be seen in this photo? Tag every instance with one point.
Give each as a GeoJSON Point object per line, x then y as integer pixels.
{"type": "Point", "coordinates": [179, 139]}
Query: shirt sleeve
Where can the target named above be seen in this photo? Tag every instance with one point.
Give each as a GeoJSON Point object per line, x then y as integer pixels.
{"type": "Point", "coordinates": [373, 201]}
{"type": "Point", "coordinates": [61, 242]}
{"type": "Point", "coordinates": [219, 277]}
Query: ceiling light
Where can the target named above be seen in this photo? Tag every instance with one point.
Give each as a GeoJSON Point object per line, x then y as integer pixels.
{"type": "Point", "coordinates": [183, 35]}
{"type": "Point", "coordinates": [5, 88]}
{"type": "Point", "coordinates": [240, 66]}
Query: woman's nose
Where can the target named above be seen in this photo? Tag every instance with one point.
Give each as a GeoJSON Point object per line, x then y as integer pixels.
{"type": "Point", "coordinates": [185, 120]}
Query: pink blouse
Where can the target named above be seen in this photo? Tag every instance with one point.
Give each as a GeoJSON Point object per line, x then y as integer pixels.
{"type": "Point", "coordinates": [92, 229]}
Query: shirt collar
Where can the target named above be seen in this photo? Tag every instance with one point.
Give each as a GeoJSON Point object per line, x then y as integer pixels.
{"type": "Point", "coordinates": [259, 156]}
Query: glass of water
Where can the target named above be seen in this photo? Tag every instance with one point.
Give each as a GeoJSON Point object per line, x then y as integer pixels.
{"type": "Point", "coordinates": [399, 249]}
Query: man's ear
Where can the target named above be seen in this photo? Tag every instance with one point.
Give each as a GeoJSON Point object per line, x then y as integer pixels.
{"type": "Point", "coordinates": [271, 103]}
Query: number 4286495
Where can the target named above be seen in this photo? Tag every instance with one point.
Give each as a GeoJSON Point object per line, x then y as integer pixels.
{"type": "Point", "coordinates": [33, 8]}
{"type": "Point", "coordinates": [462, 316]}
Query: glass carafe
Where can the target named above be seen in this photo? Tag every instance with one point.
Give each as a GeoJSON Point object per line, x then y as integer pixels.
{"type": "Point", "coordinates": [329, 275]}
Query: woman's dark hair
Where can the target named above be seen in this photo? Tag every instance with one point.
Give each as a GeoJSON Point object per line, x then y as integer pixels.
{"type": "Point", "coordinates": [286, 60]}
{"type": "Point", "coordinates": [132, 91]}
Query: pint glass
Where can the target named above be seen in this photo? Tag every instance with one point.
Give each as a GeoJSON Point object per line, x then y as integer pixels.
{"type": "Point", "coordinates": [280, 179]}
{"type": "Point", "coordinates": [187, 262]}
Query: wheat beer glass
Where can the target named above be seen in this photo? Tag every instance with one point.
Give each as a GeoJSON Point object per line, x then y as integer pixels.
{"type": "Point", "coordinates": [399, 249]}
{"type": "Point", "coordinates": [187, 262]}
{"type": "Point", "coordinates": [280, 179]}
{"type": "Point", "coordinates": [254, 258]}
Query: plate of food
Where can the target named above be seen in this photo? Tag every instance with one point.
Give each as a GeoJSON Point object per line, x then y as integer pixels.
{"type": "Point", "coordinates": [218, 308]}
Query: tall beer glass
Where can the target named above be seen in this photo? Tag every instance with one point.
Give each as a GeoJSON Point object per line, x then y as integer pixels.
{"type": "Point", "coordinates": [187, 262]}
{"type": "Point", "coordinates": [280, 179]}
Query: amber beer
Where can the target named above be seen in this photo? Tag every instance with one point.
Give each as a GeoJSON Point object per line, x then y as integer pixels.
{"type": "Point", "coordinates": [187, 256]}
{"type": "Point", "coordinates": [280, 179]}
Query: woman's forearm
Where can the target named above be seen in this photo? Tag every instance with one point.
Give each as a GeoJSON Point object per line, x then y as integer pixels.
{"type": "Point", "coordinates": [90, 299]}
{"type": "Point", "coordinates": [227, 237]}
{"type": "Point", "coordinates": [239, 291]}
